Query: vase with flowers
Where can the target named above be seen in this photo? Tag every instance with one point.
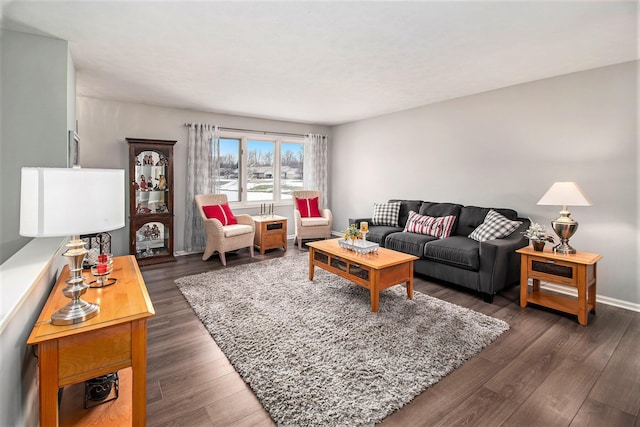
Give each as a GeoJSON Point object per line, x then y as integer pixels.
{"type": "Point", "coordinates": [537, 234]}
{"type": "Point", "coordinates": [352, 233]}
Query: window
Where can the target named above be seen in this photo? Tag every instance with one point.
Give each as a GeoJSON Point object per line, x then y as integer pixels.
{"type": "Point", "coordinates": [291, 168]}
{"type": "Point", "coordinates": [260, 169]}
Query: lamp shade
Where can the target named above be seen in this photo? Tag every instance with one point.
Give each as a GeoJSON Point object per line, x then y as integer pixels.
{"type": "Point", "coordinates": [565, 194]}
{"type": "Point", "coordinates": [68, 202]}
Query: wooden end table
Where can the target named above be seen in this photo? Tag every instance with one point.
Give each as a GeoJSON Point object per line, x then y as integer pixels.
{"type": "Point", "coordinates": [271, 232]}
{"type": "Point", "coordinates": [114, 339]}
{"type": "Point", "coordinates": [575, 270]}
{"type": "Point", "coordinates": [375, 271]}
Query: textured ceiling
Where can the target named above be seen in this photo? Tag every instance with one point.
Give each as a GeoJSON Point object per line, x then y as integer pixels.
{"type": "Point", "coordinates": [324, 62]}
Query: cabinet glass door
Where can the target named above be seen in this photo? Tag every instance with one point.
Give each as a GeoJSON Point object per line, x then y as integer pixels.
{"type": "Point", "coordinates": [150, 185]}
{"type": "Point", "coordinates": [152, 239]}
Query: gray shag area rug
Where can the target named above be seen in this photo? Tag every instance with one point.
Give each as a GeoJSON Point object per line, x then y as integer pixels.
{"type": "Point", "coordinates": [314, 353]}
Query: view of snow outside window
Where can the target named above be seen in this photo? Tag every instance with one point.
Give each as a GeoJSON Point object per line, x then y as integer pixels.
{"type": "Point", "coordinates": [260, 169]}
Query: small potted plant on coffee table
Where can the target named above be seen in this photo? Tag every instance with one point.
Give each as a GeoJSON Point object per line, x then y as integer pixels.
{"type": "Point", "coordinates": [537, 234]}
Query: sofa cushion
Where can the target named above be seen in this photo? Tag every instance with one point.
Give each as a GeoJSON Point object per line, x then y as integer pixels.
{"type": "Point", "coordinates": [379, 233]}
{"type": "Point", "coordinates": [405, 207]}
{"type": "Point", "coordinates": [472, 216]}
{"type": "Point", "coordinates": [386, 214]}
{"type": "Point", "coordinates": [409, 243]}
{"type": "Point", "coordinates": [441, 210]}
{"type": "Point", "coordinates": [429, 225]}
{"type": "Point", "coordinates": [495, 226]}
{"type": "Point", "coordinates": [458, 251]}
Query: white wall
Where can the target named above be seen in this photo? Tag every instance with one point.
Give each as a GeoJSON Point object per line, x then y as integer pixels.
{"type": "Point", "coordinates": [104, 125]}
{"type": "Point", "coordinates": [36, 84]}
{"type": "Point", "coordinates": [505, 148]}
{"type": "Point", "coordinates": [38, 93]}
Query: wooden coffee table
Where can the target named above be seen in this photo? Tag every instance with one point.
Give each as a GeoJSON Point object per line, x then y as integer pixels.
{"type": "Point", "coordinates": [375, 271]}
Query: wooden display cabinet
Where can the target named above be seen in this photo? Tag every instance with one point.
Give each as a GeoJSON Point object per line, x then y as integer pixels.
{"type": "Point", "coordinates": [151, 200]}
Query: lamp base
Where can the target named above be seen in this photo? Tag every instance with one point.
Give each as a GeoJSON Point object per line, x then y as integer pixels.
{"type": "Point", "coordinates": [76, 311]}
{"type": "Point", "coordinates": [565, 228]}
{"type": "Point", "coordinates": [564, 248]}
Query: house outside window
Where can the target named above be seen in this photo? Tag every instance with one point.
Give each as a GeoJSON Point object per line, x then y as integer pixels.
{"type": "Point", "coordinates": [265, 169]}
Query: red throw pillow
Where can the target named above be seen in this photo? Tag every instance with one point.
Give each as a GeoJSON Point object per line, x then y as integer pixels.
{"type": "Point", "coordinates": [220, 212]}
{"type": "Point", "coordinates": [308, 207]}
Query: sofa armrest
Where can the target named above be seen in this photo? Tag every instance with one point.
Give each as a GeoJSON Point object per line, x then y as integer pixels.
{"type": "Point", "coordinates": [357, 221]}
{"type": "Point", "coordinates": [499, 263]}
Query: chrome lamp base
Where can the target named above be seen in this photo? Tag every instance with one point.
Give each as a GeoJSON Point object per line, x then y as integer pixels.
{"type": "Point", "coordinates": [77, 310]}
{"type": "Point", "coordinates": [565, 227]}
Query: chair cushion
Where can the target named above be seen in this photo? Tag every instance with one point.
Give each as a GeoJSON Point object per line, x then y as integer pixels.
{"type": "Point", "coordinates": [308, 207]}
{"type": "Point", "coordinates": [495, 226]}
{"type": "Point", "coordinates": [312, 222]}
{"type": "Point", "coordinates": [236, 230]}
{"type": "Point", "coordinates": [386, 214]}
{"type": "Point", "coordinates": [220, 212]}
{"type": "Point", "coordinates": [429, 225]}
{"type": "Point", "coordinates": [456, 250]}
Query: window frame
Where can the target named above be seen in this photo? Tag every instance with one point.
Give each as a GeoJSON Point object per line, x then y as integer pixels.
{"type": "Point", "coordinates": [243, 164]}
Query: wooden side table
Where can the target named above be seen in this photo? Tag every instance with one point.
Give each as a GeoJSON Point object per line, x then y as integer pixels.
{"type": "Point", "coordinates": [115, 339]}
{"type": "Point", "coordinates": [575, 270]}
{"type": "Point", "coordinates": [271, 232]}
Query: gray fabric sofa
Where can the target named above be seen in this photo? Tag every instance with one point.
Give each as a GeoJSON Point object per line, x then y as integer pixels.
{"type": "Point", "coordinates": [485, 267]}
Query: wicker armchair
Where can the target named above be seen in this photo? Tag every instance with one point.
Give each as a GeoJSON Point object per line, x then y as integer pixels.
{"type": "Point", "coordinates": [311, 228]}
{"type": "Point", "coordinates": [227, 238]}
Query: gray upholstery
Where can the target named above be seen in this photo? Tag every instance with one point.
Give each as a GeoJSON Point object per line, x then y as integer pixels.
{"type": "Point", "coordinates": [485, 267]}
{"type": "Point", "coordinates": [456, 250]}
{"type": "Point", "coordinates": [409, 243]}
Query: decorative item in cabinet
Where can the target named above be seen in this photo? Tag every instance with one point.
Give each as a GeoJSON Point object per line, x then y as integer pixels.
{"type": "Point", "coordinates": [151, 200]}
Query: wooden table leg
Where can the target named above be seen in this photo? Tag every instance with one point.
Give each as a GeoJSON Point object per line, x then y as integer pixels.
{"type": "Point", "coordinates": [410, 282]}
{"type": "Point", "coordinates": [582, 296]}
{"type": "Point", "coordinates": [311, 266]}
{"type": "Point", "coordinates": [48, 390]}
{"type": "Point", "coordinates": [374, 290]}
{"type": "Point", "coordinates": [139, 372]}
{"type": "Point", "coordinates": [524, 282]}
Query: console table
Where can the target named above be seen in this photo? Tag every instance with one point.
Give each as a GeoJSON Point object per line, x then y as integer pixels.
{"type": "Point", "coordinates": [575, 270]}
{"type": "Point", "coordinates": [115, 339]}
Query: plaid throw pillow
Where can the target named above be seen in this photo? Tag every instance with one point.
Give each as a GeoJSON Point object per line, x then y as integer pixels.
{"type": "Point", "coordinates": [495, 226]}
{"type": "Point", "coordinates": [432, 226]}
{"type": "Point", "coordinates": [386, 214]}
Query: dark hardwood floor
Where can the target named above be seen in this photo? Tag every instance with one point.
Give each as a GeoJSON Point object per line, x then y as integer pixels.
{"type": "Point", "coordinates": [547, 370]}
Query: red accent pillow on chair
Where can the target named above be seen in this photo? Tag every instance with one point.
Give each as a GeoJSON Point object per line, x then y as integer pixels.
{"type": "Point", "coordinates": [308, 207]}
{"type": "Point", "coordinates": [220, 212]}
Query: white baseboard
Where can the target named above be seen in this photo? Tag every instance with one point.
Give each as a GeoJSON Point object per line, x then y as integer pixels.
{"type": "Point", "coordinates": [599, 298]}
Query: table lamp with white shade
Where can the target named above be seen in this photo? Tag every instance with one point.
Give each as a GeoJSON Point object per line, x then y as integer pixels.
{"type": "Point", "coordinates": [70, 202]}
{"type": "Point", "coordinates": [565, 194]}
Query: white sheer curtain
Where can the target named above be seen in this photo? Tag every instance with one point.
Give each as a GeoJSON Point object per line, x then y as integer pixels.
{"type": "Point", "coordinates": [203, 170]}
{"type": "Point", "coordinates": [315, 166]}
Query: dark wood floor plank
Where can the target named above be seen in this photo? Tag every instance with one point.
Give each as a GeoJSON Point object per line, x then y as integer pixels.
{"type": "Point", "coordinates": [557, 400]}
{"type": "Point", "coordinates": [596, 414]}
{"type": "Point", "coordinates": [546, 370]}
{"type": "Point", "coordinates": [533, 365]}
{"type": "Point", "coordinates": [445, 396]}
{"type": "Point", "coordinates": [234, 408]}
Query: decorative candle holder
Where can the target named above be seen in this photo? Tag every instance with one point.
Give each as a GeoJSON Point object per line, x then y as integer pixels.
{"type": "Point", "coordinates": [101, 271]}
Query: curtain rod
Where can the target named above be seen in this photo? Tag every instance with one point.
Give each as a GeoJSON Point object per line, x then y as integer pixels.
{"type": "Point", "coordinates": [264, 132]}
